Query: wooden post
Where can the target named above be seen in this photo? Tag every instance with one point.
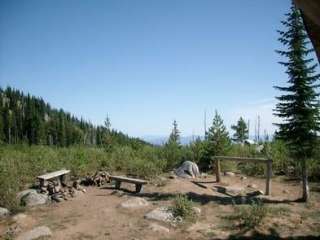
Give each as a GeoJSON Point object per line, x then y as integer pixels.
{"type": "Point", "coordinates": [269, 175]}
{"type": "Point", "coordinates": [217, 161]}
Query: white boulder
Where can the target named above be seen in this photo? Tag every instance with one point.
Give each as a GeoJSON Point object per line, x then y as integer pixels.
{"type": "Point", "coordinates": [188, 169]}
{"type": "Point", "coordinates": [160, 214]}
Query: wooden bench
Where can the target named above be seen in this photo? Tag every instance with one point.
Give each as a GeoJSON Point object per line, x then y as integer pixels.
{"type": "Point", "coordinates": [137, 182]}
{"type": "Point", "coordinates": [57, 174]}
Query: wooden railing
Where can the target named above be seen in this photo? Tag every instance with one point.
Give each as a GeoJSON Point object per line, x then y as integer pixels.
{"type": "Point", "coordinates": [268, 163]}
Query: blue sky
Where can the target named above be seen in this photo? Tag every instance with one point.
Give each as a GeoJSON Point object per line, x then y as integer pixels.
{"type": "Point", "coordinates": [146, 63]}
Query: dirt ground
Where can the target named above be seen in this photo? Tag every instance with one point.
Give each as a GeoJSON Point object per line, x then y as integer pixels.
{"type": "Point", "coordinates": [96, 214]}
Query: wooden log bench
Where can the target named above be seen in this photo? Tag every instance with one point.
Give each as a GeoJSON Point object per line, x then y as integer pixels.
{"type": "Point", "coordinates": [57, 174]}
{"type": "Point", "coordinates": [119, 179]}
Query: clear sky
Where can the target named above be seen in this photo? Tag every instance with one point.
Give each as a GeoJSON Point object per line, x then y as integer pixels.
{"type": "Point", "coordinates": [146, 62]}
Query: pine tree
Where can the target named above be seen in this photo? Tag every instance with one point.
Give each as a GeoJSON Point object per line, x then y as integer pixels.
{"type": "Point", "coordinates": [298, 106]}
{"type": "Point", "coordinates": [174, 137]}
{"type": "Point", "coordinates": [217, 137]}
{"type": "Point", "coordinates": [107, 135]}
{"type": "Point", "coordinates": [241, 131]}
{"type": "Point", "coordinates": [172, 148]}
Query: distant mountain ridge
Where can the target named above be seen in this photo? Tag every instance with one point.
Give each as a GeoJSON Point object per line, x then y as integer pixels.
{"type": "Point", "coordinates": [28, 119]}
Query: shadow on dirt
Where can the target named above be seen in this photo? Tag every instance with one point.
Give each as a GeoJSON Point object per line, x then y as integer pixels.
{"type": "Point", "coordinates": [274, 235]}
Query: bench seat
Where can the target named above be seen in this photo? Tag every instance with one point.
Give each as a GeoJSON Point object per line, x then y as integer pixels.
{"type": "Point", "coordinates": [55, 174]}
{"type": "Point", "coordinates": [137, 182]}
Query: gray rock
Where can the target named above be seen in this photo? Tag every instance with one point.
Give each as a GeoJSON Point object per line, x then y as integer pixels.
{"type": "Point", "coordinates": [229, 174]}
{"type": "Point", "coordinates": [235, 190]}
{"type": "Point", "coordinates": [23, 193]}
{"type": "Point", "coordinates": [158, 228]}
{"type": "Point", "coordinates": [197, 210]}
{"type": "Point", "coordinates": [19, 217]}
{"type": "Point", "coordinates": [230, 190]}
{"type": "Point", "coordinates": [135, 202]}
{"type": "Point", "coordinates": [243, 177]}
{"type": "Point", "coordinates": [34, 199]}
{"type": "Point", "coordinates": [4, 212]}
{"type": "Point", "coordinates": [252, 185]}
{"type": "Point", "coordinates": [38, 232]}
{"type": "Point", "coordinates": [160, 214]}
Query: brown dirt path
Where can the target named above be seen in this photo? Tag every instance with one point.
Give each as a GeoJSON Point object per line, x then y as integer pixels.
{"type": "Point", "coordinates": [97, 215]}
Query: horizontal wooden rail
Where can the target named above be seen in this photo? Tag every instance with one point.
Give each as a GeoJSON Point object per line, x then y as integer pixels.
{"type": "Point", "coordinates": [241, 159]}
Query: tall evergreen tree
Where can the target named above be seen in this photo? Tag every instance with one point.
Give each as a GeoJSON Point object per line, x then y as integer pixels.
{"type": "Point", "coordinates": [241, 131]}
{"type": "Point", "coordinates": [217, 137]}
{"type": "Point", "coordinates": [299, 105]}
{"type": "Point", "coordinates": [174, 137]}
{"type": "Point", "coordinates": [172, 149]}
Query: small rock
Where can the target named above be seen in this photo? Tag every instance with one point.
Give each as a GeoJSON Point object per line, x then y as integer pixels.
{"type": "Point", "coordinates": [57, 197]}
{"type": "Point", "coordinates": [243, 177]}
{"type": "Point", "coordinates": [252, 185]}
{"type": "Point", "coordinates": [158, 228]}
{"type": "Point", "coordinates": [229, 174]}
{"type": "Point", "coordinates": [200, 227]}
{"type": "Point", "coordinates": [38, 232]}
{"type": "Point", "coordinates": [204, 175]}
{"type": "Point", "coordinates": [230, 190]}
{"type": "Point", "coordinates": [135, 202]}
{"type": "Point", "coordinates": [285, 191]}
{"type": "Point", "coordinates": [57, 188]}
{"type": "Point", "coordinates": [34, 199]}
{"type": "Point", "coordinates": [160, 214]}
{"type": "Point", "coordinates": [19, 217]}
{"type": "Point", "coordinates": [197, 210]}
{"type": "Point", "coordinates": [4, 212]}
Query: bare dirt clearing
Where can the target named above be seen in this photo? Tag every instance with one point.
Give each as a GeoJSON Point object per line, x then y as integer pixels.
{"type": "Point", "coordinates": [98, 214]}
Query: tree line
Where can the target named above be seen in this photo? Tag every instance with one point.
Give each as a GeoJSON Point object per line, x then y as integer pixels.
{"type": "Point", "coordinates": [29, 119]}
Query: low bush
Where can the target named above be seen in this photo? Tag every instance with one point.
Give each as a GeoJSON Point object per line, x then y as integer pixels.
{"type": "Point", "coordinates": [183, 207]}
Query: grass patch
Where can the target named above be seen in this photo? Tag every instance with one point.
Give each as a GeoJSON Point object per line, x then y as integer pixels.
{"type": "Point", "coordinates": [249, 217]}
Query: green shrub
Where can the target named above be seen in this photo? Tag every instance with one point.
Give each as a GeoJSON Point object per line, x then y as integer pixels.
{"type": "Point", "coordinates": [182, 207]}
{"type": "Point", "coordinates": [21, 164]}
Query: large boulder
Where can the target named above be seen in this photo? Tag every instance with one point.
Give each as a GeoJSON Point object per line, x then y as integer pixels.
{"type": "Point", "coordinates": [4, 212]}
{"type": "Point", "coordinates": [33, 199]}
{"type": "Point", "coordinates": [160, 214]}
{"type": "Point", "coordinates": [135, 202]}
{"type": "Point", "coordinates": [23, 193]}
{"type": "Point", "coordinates": [36, 233]}
{"type": "Point", "coordinates": [188, 169]}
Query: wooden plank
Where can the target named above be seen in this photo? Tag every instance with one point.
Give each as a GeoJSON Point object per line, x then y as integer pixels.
{"type": "Point", "coordinates": [218, 177]}
{"type": "Point", "coordinates": [240, 159]}
{"type": "Point", "coordinates": [53, 174]}
{"type": "Point", "coordinates": [269, 175]}
{"type": "Point", "coordinates": [129, 180]}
